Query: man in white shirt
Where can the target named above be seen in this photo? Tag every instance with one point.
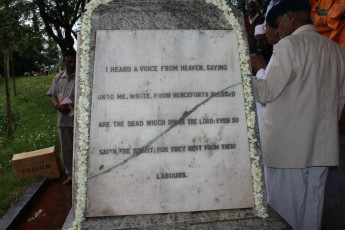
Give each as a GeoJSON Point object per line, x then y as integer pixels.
{"type": "Point", "coordinates": [259, 65]}
{"type": "Point", "coordinates": [304, 92]}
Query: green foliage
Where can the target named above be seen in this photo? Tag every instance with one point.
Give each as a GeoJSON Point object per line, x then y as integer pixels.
{"type": "Point", "coordinates": [50, 53]}
{"type": "Point", "coordinates": [58, 18]}
{"type": "Point", "coordinates": [29, 42]}
{"type": "Point", "coordinates": [12, 15]}
{"type": "Point", "coordinates": [34, 127]}
{"type": "Point", "coordinates": [25, 40]}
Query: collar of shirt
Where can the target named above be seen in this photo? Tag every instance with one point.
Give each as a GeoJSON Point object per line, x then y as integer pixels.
{"type": "Point", "coordinates": [306, 27]}
{"type": "Point", "coordinates": [253, 19]}
{"type": "Point", "coordinates": [66, 75]}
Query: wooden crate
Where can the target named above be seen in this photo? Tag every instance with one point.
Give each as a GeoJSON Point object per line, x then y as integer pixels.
{"type": "Point", "coordinates": [43, 162]}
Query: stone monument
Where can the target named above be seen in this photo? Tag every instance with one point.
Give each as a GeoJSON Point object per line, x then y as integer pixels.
{"type": "Point", "coordinates": [166, 133]}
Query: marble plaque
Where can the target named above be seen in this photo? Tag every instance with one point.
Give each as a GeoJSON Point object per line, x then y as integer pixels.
{"type": "Point", "coordinates": [168, 129]}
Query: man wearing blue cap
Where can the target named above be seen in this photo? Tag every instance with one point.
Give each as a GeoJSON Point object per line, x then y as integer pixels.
{"type": "Point", "coordinates": [304, 92]}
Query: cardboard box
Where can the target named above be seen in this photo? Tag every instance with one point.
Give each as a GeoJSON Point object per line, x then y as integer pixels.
{"type": "Point", "coordinates": [43, 162]}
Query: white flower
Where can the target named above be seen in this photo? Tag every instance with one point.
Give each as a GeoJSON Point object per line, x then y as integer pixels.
{"type": "Point", "coordinates": [83, 115]}
{"type": "Point", "coordinates": [247, 91]}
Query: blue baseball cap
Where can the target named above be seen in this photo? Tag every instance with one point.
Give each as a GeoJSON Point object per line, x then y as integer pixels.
{"type": "Point", "coordinates": [284, 6]}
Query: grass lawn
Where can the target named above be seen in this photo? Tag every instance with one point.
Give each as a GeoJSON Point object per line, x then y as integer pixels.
{"type": "Point", "coordinates": [34, 127]}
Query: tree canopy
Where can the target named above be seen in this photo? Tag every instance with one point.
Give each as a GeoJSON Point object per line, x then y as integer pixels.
{"type": "Point", "coordinates": [35, 28]}
{"type": "Point", "coordinates": [22, 35]}
{"type": "Point", "coordinates": [58, 18]}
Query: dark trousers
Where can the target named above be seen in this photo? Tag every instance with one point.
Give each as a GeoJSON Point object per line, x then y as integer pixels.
{"type": "Point", "coordinates": [66, 142]}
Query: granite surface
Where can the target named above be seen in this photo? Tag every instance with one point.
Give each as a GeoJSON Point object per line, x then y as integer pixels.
{"type": "Point", "coordinates": [19, 208]}
{"type": "Point", "coordinates": [216, 220]}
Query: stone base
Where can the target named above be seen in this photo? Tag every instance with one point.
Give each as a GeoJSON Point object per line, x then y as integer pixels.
{"type": "Point", "coordinates": [178, 221]}
{"type": "Point", "coordinates": [19, 208]}
{"type": "Point", "coordinates": [69, 221]}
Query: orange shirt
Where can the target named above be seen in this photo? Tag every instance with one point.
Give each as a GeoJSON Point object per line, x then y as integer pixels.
{"type": "Point", "coordinates": [329, 19]}
{"type": "Point", "coordinates": [312, 4]}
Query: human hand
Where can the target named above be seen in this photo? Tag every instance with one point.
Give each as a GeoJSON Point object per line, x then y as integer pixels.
{"type": "Point", "coordinates": [64, 108]}
{"type": "Point", "coordinates": [258, 62]}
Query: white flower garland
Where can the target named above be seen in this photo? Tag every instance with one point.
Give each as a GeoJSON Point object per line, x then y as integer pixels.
{"type": "Point", "coordinates": [83, 114]}
{"type": "Point", "coordinates": [248, 98]}
{"type": "Point", "coordinates": [84, 106]}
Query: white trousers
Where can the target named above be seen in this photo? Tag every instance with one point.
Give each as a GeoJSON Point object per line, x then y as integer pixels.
{"type": "Point", "coordinates": [297, 195]}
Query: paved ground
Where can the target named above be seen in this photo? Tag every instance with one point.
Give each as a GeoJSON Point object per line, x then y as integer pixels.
{"type": "Point", "coordinates": [334, 207]}
{"type": "Point", "coordinates": [50, 209]}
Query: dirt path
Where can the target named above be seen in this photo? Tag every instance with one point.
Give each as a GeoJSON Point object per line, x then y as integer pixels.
{"type": "Point", "coordinates": [50, 209]}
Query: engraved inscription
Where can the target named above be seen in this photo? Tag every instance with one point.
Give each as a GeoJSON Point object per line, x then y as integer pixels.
{"type": "Point", "coordinates": [168, 125]}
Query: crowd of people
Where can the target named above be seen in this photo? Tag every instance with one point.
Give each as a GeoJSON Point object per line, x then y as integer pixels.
{"type": "Point", "coordinates": [300, 92]}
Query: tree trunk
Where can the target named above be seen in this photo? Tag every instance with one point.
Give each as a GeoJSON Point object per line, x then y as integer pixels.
{"type": "Point", "coordinates": [12, 70]}
{"type": "Point", "coordinates": [8, 102]}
